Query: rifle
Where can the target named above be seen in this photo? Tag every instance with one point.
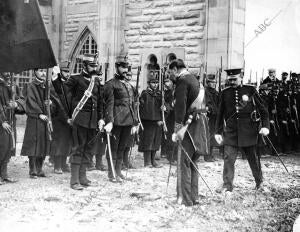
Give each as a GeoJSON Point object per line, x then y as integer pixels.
{"type": "Point", "coordinates": [220, 75]}
{"type": "Point", "coordinates": [296, 112]}
{"type": "Point", "coordinates": [290, 116]}
{"type": "Point", "coordinates": [165, 129]}
{"type": "Point", "coordinates": [12, 112]}
{"type": "Point", "coordinates": [49, 122]}
{"type": "Point", "coordinates": [137, 89]}
{"type": "Point", "coordinates": [275, 115]}
{"type": "Point", "coordinates": [106, 67]}
{"type": "Point", "coordinates": [262, 76]}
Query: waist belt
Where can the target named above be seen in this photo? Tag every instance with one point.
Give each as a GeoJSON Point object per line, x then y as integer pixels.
{"type": "Point", "coordinates": [123, 100]}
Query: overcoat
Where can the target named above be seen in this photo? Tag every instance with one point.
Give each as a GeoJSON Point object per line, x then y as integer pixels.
{"type": "Point", "coordinates": [36, 140]}
{"type": "Point", "coordinates": [150, 104]}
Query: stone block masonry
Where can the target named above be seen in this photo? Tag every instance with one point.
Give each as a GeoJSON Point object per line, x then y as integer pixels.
{"type": "Point", "coordinates": [166, 24]}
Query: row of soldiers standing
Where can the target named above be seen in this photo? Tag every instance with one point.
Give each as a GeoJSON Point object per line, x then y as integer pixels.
{"type": "Point", "coordinates": [282, 99]}
{"type": "Point", "coordinates": [115, 103]}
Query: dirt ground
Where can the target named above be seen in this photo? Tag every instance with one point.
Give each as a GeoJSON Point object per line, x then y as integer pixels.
{"type": "Point", "coordinates": [49, 204]}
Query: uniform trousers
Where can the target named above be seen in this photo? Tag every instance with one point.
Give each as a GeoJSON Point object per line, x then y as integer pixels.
{"type": "Point", "coordinates": [230, 155]}
{"type": "Point", "coordinates": [5, 151]}
{"type": "Point", "coordinates": [82, 151]}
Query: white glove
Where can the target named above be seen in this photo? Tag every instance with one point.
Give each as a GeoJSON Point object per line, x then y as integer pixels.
{"type": "Point", "coordinates": [134, 129]}
{"type": "Point", "coordinates": [219, 138]}
{"type": "Point", "coordinates": [264, 131]}
{"type": "Point", "coordinates": [174, 137]}
{"type": "Point", "coordinates": [101, 124]}
{"type": "Point", "coordinates": [55, 71]}
{"type": "Point", "coordinates": [108, 127]}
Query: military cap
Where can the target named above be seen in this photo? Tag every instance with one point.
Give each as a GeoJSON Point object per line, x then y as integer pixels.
{"type": "Point", "coordinates": [294, 75]}
{"type": "Point", "coordinates": [211, 78]}
{"type": "Point", "coordinates": [64, 66]}
{"type": "Point", "coordinates": [232, 72]}
{"type": "Point", "coordinates": [151, 77]}
{"type": "Point", "coordinates": [122, 59]}
{"type": "Point", "coordinates": [90, 59]}
{"type": "Point", "coordinates": [284, 74]}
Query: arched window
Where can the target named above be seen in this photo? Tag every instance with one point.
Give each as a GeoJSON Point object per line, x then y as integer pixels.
{"type": "Point", "coordinates": [88, 45]}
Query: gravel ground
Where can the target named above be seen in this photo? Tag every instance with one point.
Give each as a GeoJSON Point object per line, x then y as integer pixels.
{"type": "Point", "coordinates": [48, 204]}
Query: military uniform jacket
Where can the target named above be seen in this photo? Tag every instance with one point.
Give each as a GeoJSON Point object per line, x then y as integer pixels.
{"type": "Point", "coordinates": [235, 108]}
{"type": "Point", "coordinates": [92, 111]}
{"type": "Point", "coordinates": [119, 100]}
{"type": "Point", "coordinates": [186, 91]}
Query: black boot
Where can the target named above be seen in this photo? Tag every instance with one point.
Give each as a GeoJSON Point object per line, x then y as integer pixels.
{"type": "Point", "coordinates": [64, 166]}
{"type": "Point", "coordinates": [57, 164]}
{"type": "Point", "coordinates": [74, 181]}
{"type": "Point", "coordinates": [4, 174]}
{"type": "Point", "coordinates": [147, 155]}
{"type": "Point", "coordinates": [153, 162]}
{"type": "Point", "coordinates": [39, 166]}
{"type": "Point", "coordinates": [99, 163]}
{"type": "Point", "coordinates": [127, 162]}
{"type": "Point", "coordinates": [32, 167]}
{"type": "Point", "coordinates": [83, 180]}
{"type": "Point", "coordinates": [119, 168]}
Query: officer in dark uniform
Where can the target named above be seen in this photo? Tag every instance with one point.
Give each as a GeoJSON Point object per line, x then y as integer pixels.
{"type": "Point", "coordinates": [212, 102]}
{"type": "Point", "coordinates": [189, 102]}
{"type": "Point", "coordinates": [120, 115]}
{"type": "Point", "coordinates": [87, 120]}
{"type": "Point", "coordinates": [271, 78]}
{"type": "Point", "coordinates": [241, 107]}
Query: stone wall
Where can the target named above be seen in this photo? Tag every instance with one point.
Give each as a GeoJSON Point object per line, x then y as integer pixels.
{"type": "Point", "coordinates": [160, 24]}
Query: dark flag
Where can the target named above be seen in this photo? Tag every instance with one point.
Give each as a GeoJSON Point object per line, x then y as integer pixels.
{"type": "Point", "coordinates": [24, 42]}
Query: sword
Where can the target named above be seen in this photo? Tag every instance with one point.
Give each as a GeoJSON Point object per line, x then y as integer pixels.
{"type": "Point", "coordinates": [276, 153]}
{"type": "Point", "coordinates": [195, 166]}
{"type": "Point", "coordinates": [110, 156]}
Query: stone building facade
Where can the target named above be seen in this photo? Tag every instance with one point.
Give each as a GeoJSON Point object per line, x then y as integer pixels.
{"type": "Point", "coordinates": [198, 31]}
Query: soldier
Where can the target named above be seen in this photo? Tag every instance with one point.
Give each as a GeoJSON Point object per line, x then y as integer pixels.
{"type": "Point", "coordinates": [120, 116]}
{"type": "Point", "coordinates": [62, 132]}
{"type": "Point", "coordinates": [8, 108]}
{"type": "Point", "coordinates": [36, 143]}
{"type": "Point", "coordinates": [150, 111]}
{"type": "Point", "coordinates": [167, 145]}
{"type": "Point", "coordinates": [264, 93]}
{"type": "Point", "coordinates": [284, 81]}
{"type": "Point", "coordinates": [240, 106]}
{"type": "Point", "coordinates": [212, 102]}
{"type": "Point", "coordinates": [271, 78]}
{"type": "Point", "coordinates": [286, 118]}
{"type": "Point", "coordinates": [131, 142]}
{"type": "Point", "coordinates": [189, 103]}
{"type": "Point", "coordinates": [273, 115]}
{"type": "Point", "coordinates": [84, 93]}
